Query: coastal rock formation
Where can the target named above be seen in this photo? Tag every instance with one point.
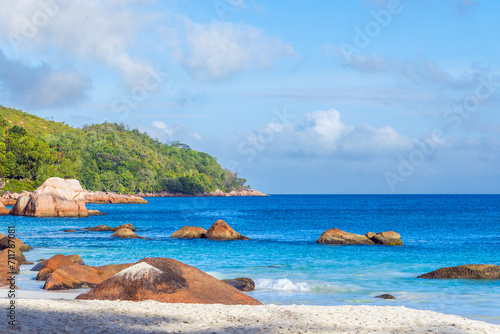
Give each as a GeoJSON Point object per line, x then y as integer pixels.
{"type": "Point", "coordinates": [56, 197]}
{"type": "Point", "coordinates": [13, 243]}
{"type": "Point", "coordinates": [125, 233]}
{"type": "Point", "coordinates": [98, 228]}
{"type": "Point", "coordinates": [468, 271]}
{"type": "Point", "coordinates": [20, 204]}
{"type": "Point", "coordinates": [95, 213]}
{"type": "Point", "coordinates": [220, 230]}
{"type": "Point", "coordinates": [3, 210]}
{"type": "Point", "coordinates": [10, 199]}
{"type": "Point", "coordinates": [128, 225]}
{"type": "Point", "coordinates": [81, 276]}
{"type": "Point", "coordinates": [190, 232]}
{"type": "Point", "coordinates": [99, 197]}
{"type": "Point", "coordinates": [46, 267]}
{"type": "Point", "coordinates": [335, 236]}
{"type": "Point", "coordinates": [168, 281]}
{"type": "Point", "coordinates": [241, 283]}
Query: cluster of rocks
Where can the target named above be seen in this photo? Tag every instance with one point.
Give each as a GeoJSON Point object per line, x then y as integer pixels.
{"type": "Point", "coordinates": [121, 231]}
{"type": "Point", "coordinates": [11, 257]}
{"type": "Point", "coordinates": [99, 197]}
{"type": "Point", "coordinates": [216, 193]}
{"type": "Point", "coordinates": [220, 230]}
{"type": "Point", "coordinates": [335, 236]}
{"type": "Point", "coordinates": [160, 279]}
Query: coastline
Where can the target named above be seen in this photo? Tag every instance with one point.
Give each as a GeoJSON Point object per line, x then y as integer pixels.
{"type": "Point", "coordinates": [95, 316]}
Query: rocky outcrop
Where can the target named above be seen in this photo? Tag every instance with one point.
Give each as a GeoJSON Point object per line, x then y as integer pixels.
{"type": "Point", "coordinates": [46, 267]}
{"type": "Point", "coordinates": [9, 199]}
{"type": "Point", "coordinates": [128, 225]}
{"type": "Point", "coordinates": [216, 193]}
{"type": "Point", "coordinates": [190, 232]}
{"type": "Point", "coordinates": [168, 281]}
{"type": "Point", "coordinates": [335, 236]}
{"type": "Point", "coordinates": [468, 271]}
{"type": "Point", "coordinates": [56, 197]}
{"type": "Point", "coordinates": [99, 197]}
{"type": "Point", "coordinates": [3, 210]}
{"type": "Point", "coordinates": [241, 283]}
{"type": "Point", "coordinates": [126, 233]}
{"type": "Point", "coordinates": [220, 230]}
{"type": "Point", "coordinates": [96, 213]}
{"type": "Point", "coordinates": [98, 228]}
{"type": "Point", "coordinates": [20, 204]}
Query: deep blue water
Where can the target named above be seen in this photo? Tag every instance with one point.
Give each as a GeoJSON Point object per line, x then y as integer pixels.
{"type": "Point", "coordinates": [282, 256]}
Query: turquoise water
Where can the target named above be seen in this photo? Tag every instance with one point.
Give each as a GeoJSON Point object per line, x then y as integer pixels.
{"type": "Point", "coordinates": [282, 256]}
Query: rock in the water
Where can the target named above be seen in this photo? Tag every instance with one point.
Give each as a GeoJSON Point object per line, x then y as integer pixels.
{"type": "Point", "coordinates": [128, 225]}
{"type": "Point", "coordinates": [468, 271]}
{"type": "Point", "coordinates": [220, 230]}
{"type": "Point", "coordinates": [13, 243]}
{"type": "Point", "coordinates": [56, 197]}
{"type": "Point", "coordinates": [70, 230]}
{"type": "Point", "coordinates": [386, 296]}
{"type": "Point", "coordinates": [98, 228]}
{"type": "Point", "coordinates": [241, 283]}
{"type": "Point", "coordinates": [190, 232]}
{"type": "Point", "coordinates": [388, 238]}
{"type": "Point", "coordinates": [125, 233]}
{"type": "Point", "coordinates": [168, 281]}
{"type": "Point", "coordinates": [95, 213]}
{"type": "Point", "coordinates": [100, 197]}
{"type": "Point", "coordinates": [335, 236]}
{"type": "Point", "coordinates": [3, 210]}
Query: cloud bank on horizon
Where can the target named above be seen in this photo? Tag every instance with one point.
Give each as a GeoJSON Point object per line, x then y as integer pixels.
{"type": "Point", "coordinates": [371, 96]}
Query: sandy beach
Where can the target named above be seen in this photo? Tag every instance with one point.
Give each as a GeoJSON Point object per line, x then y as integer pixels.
{"type": "Point", "coordinates": [82, 316]}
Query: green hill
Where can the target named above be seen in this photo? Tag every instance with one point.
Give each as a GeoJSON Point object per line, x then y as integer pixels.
{"type": "Point", "coordinates": [104, 157]}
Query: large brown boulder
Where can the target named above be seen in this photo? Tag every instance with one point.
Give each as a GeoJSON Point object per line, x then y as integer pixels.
{"type": "Point", "coordinates": [56, 197]}
{"type": "Point", "coordinates": [51, 265]}
{"type": "Point", "coordinates": [168, 281]}
{"type": "Point", "coordinates": [220, 230]}
{"type": "Point", "coordinates": [96, 213]}
{"type": "Point", "coordinates": [3, 210]}
{"type": "Point", "coordinates": [468, 271]}
{"type": "Point", "coordinates": [58, 261]}
{"type": "Point", "coordinates": [335, 236]}
{"type": "Point", "coordinates": [127, 225]}
{"type": "Point", "coordinates": [190, 232]}
{"type": "Point", "coordinates": [77, 276]}
{"type": "Point", "coordinates": [8, 267]}
{"type": "Point", "coordinates": [126, 233]}
{"type": "Point", "coordinates": [6, 242]}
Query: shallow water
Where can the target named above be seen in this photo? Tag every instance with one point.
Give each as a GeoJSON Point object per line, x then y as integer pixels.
{"type": "Point", "coordinates": [282, 256]}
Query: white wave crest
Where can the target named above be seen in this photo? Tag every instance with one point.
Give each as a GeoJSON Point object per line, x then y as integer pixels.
{"type": "Point", "coordinates": [285, 284]}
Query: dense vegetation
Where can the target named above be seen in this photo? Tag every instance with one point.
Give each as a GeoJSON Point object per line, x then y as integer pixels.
{"type": "Point", "coordinates": [105, 157]}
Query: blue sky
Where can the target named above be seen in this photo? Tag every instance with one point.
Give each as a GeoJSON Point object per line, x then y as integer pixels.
{"type": "Point", "coordinates": [299, 96]}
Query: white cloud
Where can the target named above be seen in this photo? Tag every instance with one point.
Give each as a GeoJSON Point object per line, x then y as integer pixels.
{"type": "Point", "coordinates": [217, 50]}
{"type": "Point", "coordinates": [168, 129]}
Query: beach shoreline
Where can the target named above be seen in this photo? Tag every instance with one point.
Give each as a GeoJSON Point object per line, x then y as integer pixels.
{"type": "Point", "coordinates": [94, 316]}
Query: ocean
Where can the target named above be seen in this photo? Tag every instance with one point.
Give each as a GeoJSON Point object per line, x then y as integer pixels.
{"type": "Point", "coordinates": [282, 256]}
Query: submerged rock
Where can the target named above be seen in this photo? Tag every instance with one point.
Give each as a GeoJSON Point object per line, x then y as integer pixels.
{"type": "Point", "coordinates": [386, 296]}
{"type": "Point", "coordinates": [96, 213]}
{"type": "Point", "coordinates": [70, 230]}
{"type": "Point", "coordinates": [98, 228]}
{"type": "Point", "coordinates": [335, 236]}
{"type": "Point", "coordinates": [168, 281]}
{"type": "Point", "coordinates": [220, 230]}
{"type": "Point", "coordinates": [241, 283]}
{"type": "Point", "coordinates": [468, 271]}
{"type": "Point", "coordinates": [128, 225]}
{"type": "Point", "coordinates": [190, 232]}
{"type": "Point", "coordinates": [125, 233]}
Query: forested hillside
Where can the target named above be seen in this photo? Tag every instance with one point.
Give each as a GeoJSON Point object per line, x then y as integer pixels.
{"type": "Point", "coordinates": [105, 157]}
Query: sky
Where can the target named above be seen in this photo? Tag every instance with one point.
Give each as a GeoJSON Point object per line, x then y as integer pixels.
{"type": "Point", "coordinates": [297, 96]}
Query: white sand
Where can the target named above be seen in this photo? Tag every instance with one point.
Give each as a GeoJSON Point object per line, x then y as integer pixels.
{"type": "Point", "coordinates": [83, 316]}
